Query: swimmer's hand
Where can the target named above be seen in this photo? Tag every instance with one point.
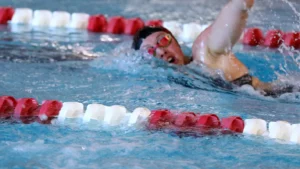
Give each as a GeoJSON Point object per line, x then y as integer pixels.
{"type": "Point", "coordinates": [228, 27]}
{"type": "Point", "coordinates": [249, 3]}
{"type": "Point", "coordinates": [243, 4]}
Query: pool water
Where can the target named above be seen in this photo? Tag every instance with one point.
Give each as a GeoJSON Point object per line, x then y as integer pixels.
{"type": "Point", "coordinates": [85, 67]}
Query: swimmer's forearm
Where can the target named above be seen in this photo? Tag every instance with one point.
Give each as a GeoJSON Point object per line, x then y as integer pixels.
{"type": "Point", "coordinates": [258, 85]}
{"type": "Point", "coordinates": [227, 28]}
{"type": "Point", "coordinates": [266, 88]}
{"type": "Point", "coordinates": [272, 89]}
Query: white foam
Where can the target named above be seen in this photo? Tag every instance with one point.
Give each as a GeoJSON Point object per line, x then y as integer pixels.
{"type": "Point", "coordinates": [138, 115]}
{"type": "Point", "coordinates": [43, 117]}
{"type": "Point", "coordinates": [22, 16]}
{"type": "Point", "coordinates": [242, 36]}
{"type": "Point", "coordinates": [205, 26]}
{"type": "Point", "coordinates": [94, 111]}
{"type": "Point", "coordinates": [114, 114]}
{"type": "Point", "coordinates": [41, 18]}
{"type": "Point", "coordinates": [280, 130]}
{"type": "Point", "coordinates": [255, 126]}
{"type": "Point", "coordinates": [190, 32]}
{"type": "Point", "coordinates": [60, 19]}
{"type": "Point", "coordinates": [251, 91]}
{"type": "Point", "coordinates": [174, 27]}
{"type": "Point", "coordinates": [71, 110]}
{"type": "Point", "coordinates": [295, 133]}
{"type": "Point", "coordinates": [79, 20]}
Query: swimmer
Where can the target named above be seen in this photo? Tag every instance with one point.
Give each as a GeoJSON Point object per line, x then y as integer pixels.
{"type": "Point", "coordinates": [213, 48]}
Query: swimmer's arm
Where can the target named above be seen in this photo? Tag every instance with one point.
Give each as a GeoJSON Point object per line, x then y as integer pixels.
{"type": "Point", "coordinates": [227, 28]}
{"type": "Point", "coordinates": [259, 85]}
{"type": "Point", "coordinates": [271, 88]}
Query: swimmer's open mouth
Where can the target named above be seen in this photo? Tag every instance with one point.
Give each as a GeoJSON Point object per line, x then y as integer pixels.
{"type": "Point", "coordinates": [171, 60]}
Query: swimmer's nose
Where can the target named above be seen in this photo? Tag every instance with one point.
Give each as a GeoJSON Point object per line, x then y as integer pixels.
{"type": "Point", "coordinates": [160, 52]}
{"type": "Point", "coordinates": [163, 54]}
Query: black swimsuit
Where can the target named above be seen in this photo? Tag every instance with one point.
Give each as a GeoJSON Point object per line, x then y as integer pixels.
{"type": "Point", "coordinates": [243, 80]}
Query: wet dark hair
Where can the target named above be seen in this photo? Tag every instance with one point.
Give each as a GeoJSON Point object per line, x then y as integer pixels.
{"type": "Point", "coordinates": [144, 33]}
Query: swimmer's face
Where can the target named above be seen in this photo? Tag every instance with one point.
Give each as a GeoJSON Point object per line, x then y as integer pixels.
{"type": "Point", "coordinates": [163, 45]}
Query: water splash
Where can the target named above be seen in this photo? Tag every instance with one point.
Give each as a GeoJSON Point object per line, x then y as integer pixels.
{"type": "Point", "coordinates": [294, 10]}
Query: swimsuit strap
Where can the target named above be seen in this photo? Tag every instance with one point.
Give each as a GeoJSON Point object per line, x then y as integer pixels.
{"type": "Point", "coordinates": [243, 80]}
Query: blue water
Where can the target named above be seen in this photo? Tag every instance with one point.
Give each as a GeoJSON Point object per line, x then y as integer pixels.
{"type": "Point", "coordinates": [86, 67]}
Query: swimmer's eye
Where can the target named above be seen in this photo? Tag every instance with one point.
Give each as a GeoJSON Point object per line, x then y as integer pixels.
{"type": "Point", "coordinates": [164, 41]}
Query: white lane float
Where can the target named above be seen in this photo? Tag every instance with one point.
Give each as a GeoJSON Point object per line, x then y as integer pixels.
{"type": "Point", "coordinates": [114, 115]}
{"type": "Point", "coordinates": [22, 16]}
{"type": "Point", "coordinates": [139, 115]}
{"type": "Point", "coordinates": [71, 110]}
{"type": "Point", "coordinates": [94, 112]}
{"type": "Point", "coordinates": [280, 130]}
{"type": "Point", "coordinates": [255, 127]}
{"type": "Point", "coordinates": [79, 21]}
{"type": "Point", "coordinates": [41, 18]}
{"type": "Point", "coordinates": [295, 134]}
{"type": "Point", "coordinates": [60, 19]}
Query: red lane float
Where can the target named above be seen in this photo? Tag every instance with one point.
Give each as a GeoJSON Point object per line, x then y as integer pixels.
{"type": "Point", "coordinates": [7, 106]}
{"type": "Point", "coordinates": [97, 23]}
{"type": "Point", "coordinates": [160, 118]}
{"type": "Point", "coordinates": [208, 120]}
{"type": "Point", "coordinates": [253, 37]}
{"type": "Point", "coordinates": [50, 108]}
{"type": "Point", "coordinates": [132, 25]}
{"type": "Point", "coordinates": [48, 111]}
{"type": "Point", "coordinates": [116, 25]}
{"type": "Point", "coordinates": [26, 107]}
{"type": "Point", "coordinates": [298, 41]}
{"type": "Point", "coordinates": [156, 22]}
{"type": "Point", "coordinates": [6, 14]}
{"type": "Point", "coordinates": [292, 39]}
{"type": "Point", "coordinates": [185, 119]}
{"type": "Point", "coordinates": [233, 123]}
{"type": "Point", "coordinates": [189, 121]}
{"type": "Point", "coordinates": [273, 38]}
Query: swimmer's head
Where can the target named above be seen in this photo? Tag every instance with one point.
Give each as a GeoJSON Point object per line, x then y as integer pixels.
{"type": "Point", "coordinates": [159, 42]}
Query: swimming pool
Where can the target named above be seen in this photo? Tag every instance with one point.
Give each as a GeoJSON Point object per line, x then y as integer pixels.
{"type": "Point", "coordinates": [87, 67]}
